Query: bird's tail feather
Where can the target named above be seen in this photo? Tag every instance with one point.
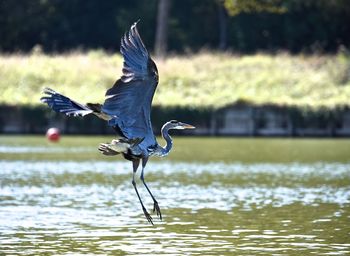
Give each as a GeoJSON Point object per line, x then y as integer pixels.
{"type": "Point", "coordinates": [117, 146]}
{"type": "Point", "coordinates": [105, 149]}
{"type": "Point", "coordinates": [63, 104]}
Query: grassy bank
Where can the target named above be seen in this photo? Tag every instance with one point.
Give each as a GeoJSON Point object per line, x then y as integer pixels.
{"type": "Point", "coordinates": [202, 80]}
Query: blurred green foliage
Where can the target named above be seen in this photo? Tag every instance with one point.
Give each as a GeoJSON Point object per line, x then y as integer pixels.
{"type": "Point", "coordinates": [312, 81]}
{"type": "Point", "coordinates": [235, 7]}
{"type": "Point", "coordinates": [294, 25]}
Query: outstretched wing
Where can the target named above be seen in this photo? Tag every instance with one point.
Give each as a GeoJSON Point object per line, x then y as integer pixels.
{"type": "Point", "coordinates": [129, 101]}
{"type": "Point", "coordinates": [63, 104]}
{"type": "Point", "coordinates": [135, 55]}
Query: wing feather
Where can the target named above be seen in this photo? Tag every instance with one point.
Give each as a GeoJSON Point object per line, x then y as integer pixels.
{"type": "Point", "coordinates": [135, 55]}
{"type": "Point", "coordinates": [63, 104]}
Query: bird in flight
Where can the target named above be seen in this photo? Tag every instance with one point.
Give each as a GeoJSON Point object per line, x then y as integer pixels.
{"type": "Point", "coordinates": [127, 108]}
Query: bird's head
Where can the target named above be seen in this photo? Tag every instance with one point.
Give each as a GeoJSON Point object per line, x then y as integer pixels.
{"type": "Point", "coordinates": [174, 124]}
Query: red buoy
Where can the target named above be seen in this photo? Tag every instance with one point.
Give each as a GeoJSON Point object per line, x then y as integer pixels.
{"type": "Point", "coordinates": [53, 134]}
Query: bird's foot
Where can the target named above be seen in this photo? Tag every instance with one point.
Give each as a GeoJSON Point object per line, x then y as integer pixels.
{"type": "Point", "coordinates": [147, 215]}
{"type": "Point", "coordinates": [157, 209]}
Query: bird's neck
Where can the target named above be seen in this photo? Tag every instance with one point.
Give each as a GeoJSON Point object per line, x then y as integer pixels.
{"type": "Point", "coordinates": [169, 142]}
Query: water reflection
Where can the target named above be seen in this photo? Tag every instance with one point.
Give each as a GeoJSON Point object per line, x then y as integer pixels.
{"type": "Point", "coordinates": [209, 209]}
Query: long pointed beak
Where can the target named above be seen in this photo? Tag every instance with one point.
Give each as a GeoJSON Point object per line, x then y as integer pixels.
{"type": "Point", "coordinates": [187, 126]}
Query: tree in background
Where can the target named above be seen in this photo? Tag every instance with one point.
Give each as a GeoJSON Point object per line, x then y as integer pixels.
{"type": "Point", "coordinates": [296, 25]}
{"type": "Point", "coordinates": [244, 26]}
{"type": "Point", "coordinates": [236, 7]}
{"type": "Point", "coordinates": [223, 24]}
{"type": "Point", "coordinates": [161, 41]}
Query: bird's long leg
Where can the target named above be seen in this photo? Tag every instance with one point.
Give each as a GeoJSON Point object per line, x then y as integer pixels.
{"type": "Point", "coordinates": [155, 203]}
{"type": "Point", "coordinates": [135, 165]}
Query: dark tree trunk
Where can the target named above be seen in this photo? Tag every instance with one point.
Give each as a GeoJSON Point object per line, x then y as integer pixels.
{"type": "Point", "coordinates": [222, 27]}
{"type": "Point", "coordinates": [162, 28]}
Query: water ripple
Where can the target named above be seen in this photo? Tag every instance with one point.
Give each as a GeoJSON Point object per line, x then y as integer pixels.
{"type": "Point", "coordinates": [55, 207]}
{"type": "Point", "coordinates": [122, 167]}
{"type": "Point", "coordinates": [42, 149]}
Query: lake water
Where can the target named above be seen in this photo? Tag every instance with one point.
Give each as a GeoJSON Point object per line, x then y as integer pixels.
{"type": "Point", "coordinates": [218, 196]}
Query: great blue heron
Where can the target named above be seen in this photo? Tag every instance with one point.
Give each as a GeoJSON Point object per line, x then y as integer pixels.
{"type": "Point", "coordinates": [127, 108]}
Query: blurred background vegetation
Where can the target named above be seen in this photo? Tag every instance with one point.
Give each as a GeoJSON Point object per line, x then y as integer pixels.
{"type": "Point", "coordinates": [205, 80]}
{"type": "Point", "coordinates": [210, 53]}
{"type": "Point", "coordinates": [243, 26]}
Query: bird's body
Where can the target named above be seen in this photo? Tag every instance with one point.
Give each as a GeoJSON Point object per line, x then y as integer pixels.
{"type": "Point", "coordinates": [127, 109]}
